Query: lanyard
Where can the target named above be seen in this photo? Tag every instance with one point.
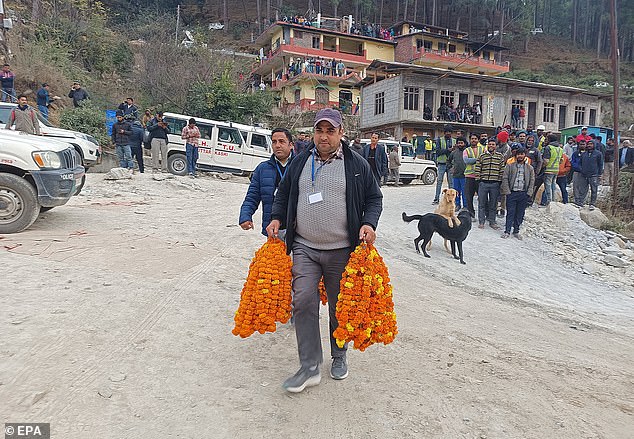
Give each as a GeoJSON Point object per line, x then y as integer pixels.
{"type": "Point", "coordinates": [282, 174]}
{"type": "Point", "coordinates": [313, 172]}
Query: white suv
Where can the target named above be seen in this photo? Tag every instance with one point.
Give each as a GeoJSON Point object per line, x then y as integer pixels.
{"type": "Point", "coordinates": [86, 145]}
{"type": "Point", "coordinates": [36, 174]}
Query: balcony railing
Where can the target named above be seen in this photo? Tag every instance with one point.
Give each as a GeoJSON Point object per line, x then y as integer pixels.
{"type": "Point", "coordinates": [286, 78]}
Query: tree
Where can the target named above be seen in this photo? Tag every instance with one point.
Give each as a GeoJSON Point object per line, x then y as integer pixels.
{"type": "Point", "coordinates": [335, 4]}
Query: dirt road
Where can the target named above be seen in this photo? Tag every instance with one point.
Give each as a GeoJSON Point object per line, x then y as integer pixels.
{"type": "Point", "coordinates": [116, 312]}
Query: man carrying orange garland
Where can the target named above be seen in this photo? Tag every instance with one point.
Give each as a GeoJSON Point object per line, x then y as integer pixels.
{"type": "Point", "coordinates": [328, 202]}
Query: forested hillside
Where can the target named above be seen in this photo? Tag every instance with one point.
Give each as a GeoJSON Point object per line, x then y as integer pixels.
{"type": "Point", "coordinates": [119, 48]}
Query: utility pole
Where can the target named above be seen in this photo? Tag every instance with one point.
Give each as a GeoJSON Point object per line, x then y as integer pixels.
{"type": "Point", "coordinates": [178, 19]}
{"type": "Point", "coordinates": [615, 100]}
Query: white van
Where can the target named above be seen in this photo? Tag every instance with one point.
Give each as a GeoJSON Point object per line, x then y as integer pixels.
{"type": "Point", "coordinates": [412, 168]}
{"type": "Point", "coordinates": [86, 145]}
{"type": "Point", "coordinates": [223, 146]}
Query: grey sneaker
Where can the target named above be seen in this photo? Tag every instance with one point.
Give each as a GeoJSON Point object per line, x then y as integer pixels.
{"type": "Point", "coordinates": [339, 369]}
{"type": "Point", "coordinates": [305, 377]}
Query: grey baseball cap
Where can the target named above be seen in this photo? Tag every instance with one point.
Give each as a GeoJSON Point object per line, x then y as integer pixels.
{"type": "Point", "coordinates": [330, 115]}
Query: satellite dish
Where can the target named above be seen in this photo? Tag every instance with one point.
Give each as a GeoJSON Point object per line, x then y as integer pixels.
{"type": "Point", "coordinates": [189, 35]}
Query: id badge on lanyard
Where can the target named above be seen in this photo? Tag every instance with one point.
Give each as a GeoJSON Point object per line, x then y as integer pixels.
{"type": "Point", "coordinates": [315, 197]}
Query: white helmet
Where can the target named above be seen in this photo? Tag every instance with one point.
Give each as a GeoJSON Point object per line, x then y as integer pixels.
{"type": "Point", "coordinates": [541, 127]}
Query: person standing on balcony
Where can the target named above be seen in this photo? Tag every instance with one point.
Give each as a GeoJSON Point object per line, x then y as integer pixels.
{"type": "Point", "coordinates": [522, 116]}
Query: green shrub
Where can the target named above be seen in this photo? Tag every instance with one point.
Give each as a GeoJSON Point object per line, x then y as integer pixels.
{"type": "Point", "coordinates": [88, 119]}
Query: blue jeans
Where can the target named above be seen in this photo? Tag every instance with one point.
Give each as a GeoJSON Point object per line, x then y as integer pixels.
{"type": "Point", "coordinates": [124, 153]}
{"type": "Point", "coordinates": [549, 187]}
{"type": "Point", "coordinates": [515, 208]}
{"type": "Point", "coordinates": [442, 171]}
{"type": "Point", "coordinates": [43, 111]}
{"type": "Point", "coordinates": [459, 184]}
{"type": "Point", "coordinates": [8, 95]}
{"type": "Point", "coordinates": [562, 182]}
{"type": "Point", "coordinates": [487, 201]}
{"type": "Point", "coordinates": [192, 157]}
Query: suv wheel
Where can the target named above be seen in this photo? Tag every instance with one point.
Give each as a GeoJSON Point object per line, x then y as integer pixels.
{"type": "Point", "coordinates": [19, 207]}
{"type": "Point", "coordinates": [177, 164]}
{"type": "Point", "coordinates": [429, 176]}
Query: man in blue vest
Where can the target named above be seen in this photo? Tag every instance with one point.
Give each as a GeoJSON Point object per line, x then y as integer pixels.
{"type": "Point", "coordinates": [442, 148]}
{"type": "Point", "coordinates": [265, 180]}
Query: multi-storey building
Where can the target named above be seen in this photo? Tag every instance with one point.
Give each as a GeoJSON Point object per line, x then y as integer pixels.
{"type": "Point", "coordinates": [422, 44]}
{"type": "Point", "coordinates": [394, 97]}
{"type": "Point", "coordinates": [313, 67]}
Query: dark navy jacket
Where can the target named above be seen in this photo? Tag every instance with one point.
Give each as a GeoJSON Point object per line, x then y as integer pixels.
{"type": "Point", "coordinates": [136, 138]}
{"type": "Point", "coordinates": [380, 158]}
{"type": "Point", "coordinates": [591, 163]}
{"type": "Point", "coordinates": [364, 200]}
{"type": "Point", "coordinates": [264, 181]}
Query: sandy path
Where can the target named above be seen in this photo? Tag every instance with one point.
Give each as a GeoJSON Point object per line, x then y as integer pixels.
{"type": "Point", "coordinates": [117, 311]}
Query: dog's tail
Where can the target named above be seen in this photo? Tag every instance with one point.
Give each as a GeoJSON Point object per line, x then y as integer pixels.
{"type": "Point", "coordinates": [408, 219]}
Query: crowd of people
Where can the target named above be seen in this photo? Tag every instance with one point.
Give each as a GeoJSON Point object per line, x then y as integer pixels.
{"type": "Point", "coordinates": [317, 65]}
{"type": "Point", "coordinates": [464, 113]}
{"type": "Point", "coordinates": [508, 170]}
{"type": "Point", "coordinates": [363, 29]}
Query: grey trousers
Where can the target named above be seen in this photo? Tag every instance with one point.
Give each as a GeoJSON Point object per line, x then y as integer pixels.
{"type": "Point", "coordinates": [159, 146]}
{"type": "Point", "coordinates": [309, 265]}
{"type": "Point", "coordinates": [580, 185]}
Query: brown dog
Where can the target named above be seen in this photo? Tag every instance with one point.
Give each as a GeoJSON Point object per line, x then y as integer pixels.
{"type": "Point", "coordinates": [447, 207]}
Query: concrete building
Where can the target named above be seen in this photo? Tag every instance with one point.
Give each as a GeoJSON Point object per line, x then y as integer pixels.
{"type": "Point", "coordinates": [426, 45]}
{"type": "Point", "coordinates": [394, 95]}
{"type": "Point", "coordinates": [297, 62]}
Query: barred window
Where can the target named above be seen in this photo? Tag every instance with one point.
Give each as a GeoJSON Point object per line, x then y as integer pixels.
{"type": "Point", "coordinates": [411, 98]}
{"type": "Point", "coordinates": [379, 103]}
{"type": "Point", "coordinates": [549, 112]}
{"type": "Point", "coordinates": [580, 115]}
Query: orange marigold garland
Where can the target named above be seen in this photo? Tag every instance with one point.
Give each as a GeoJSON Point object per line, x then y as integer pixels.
{"type": "Point", "coordinates": [322, 292]}
{"type": "Point", "coordinates": [365, 310]}
{"type": "Point", "coordinates": [266, 295]}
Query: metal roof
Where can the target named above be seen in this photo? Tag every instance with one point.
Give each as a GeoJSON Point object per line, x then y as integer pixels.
{"type": "Point", "coordinates": [397, 67]}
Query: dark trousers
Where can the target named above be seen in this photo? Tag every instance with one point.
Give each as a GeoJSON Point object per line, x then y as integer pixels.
{"type": "Point", "coordinates": [470, 189]}
{"type": "Point", "coordinates": [137, 153]}
{"type": "Point", "coordinates": [515, 208]}
{"type": "Point", "coordinates": [562, 181]}
{"type": "Point", "coordinates": [487, 201]}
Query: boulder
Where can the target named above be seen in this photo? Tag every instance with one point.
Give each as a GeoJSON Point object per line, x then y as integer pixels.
{"type": "Point", "coordinates": [614, 251]}
{"type": "Point", "coordinates": [118, 174]}
{"type": "Point", "coordinates": [614, 261]}
{"type": "Point", "coordinates": [594, 218]}
{"type": "Point", "coordinates": [618, 241]}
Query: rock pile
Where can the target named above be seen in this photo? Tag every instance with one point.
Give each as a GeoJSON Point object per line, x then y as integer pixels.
{"type": "Point", "coordinates": [592, 251]}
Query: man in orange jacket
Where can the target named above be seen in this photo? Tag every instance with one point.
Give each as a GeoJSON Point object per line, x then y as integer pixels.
{"type": "Point", "coordinates": [562, 177]}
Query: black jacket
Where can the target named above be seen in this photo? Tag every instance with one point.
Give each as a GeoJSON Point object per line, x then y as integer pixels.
{"type": "Point", "coordinates": [121, 138]}
{"type": "Point", "coordinates": [364, 200]}
{"type": "Point", "coordinates": [156, 132]}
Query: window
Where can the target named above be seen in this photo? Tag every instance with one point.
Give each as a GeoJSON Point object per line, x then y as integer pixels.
{"type": "Point", "coordinates": [549, 112]}
{"type": "Point", "coordinates": [442, 46]}
{"type": "Point", "coordinates": [322, 95]}
{"type": "Point", "coordinates": [259, 141]}
{"type": "Point", "coordinates": [593, 117]}
{"type": "Point", "coordinates": [419, 44]}
{"type": "Point", "coordinates": [519, 103]}
{"type": "Point", "coordinates": [580, 115]}
{"type": "Point", "coordinates": [175, 126]}
{"type": "Point", "coordinates": [446, 97]}
{"type": "Point", "coordinates": [486, 54]}
{"type": "Point", "coordinates": [411, 98]}
{"type": "Point", "coordinates": [452, 48]}
{"type": "Point", "coordinates": [427, 44]}
{"type": "Point", "coordinates": [316, 43]}
{"type": "Point", "coordinates": [229, 135]}
{"type": "Point", "coordinates": [379, 103]}
{"type": "Point", "coordinates": [205, 131]}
